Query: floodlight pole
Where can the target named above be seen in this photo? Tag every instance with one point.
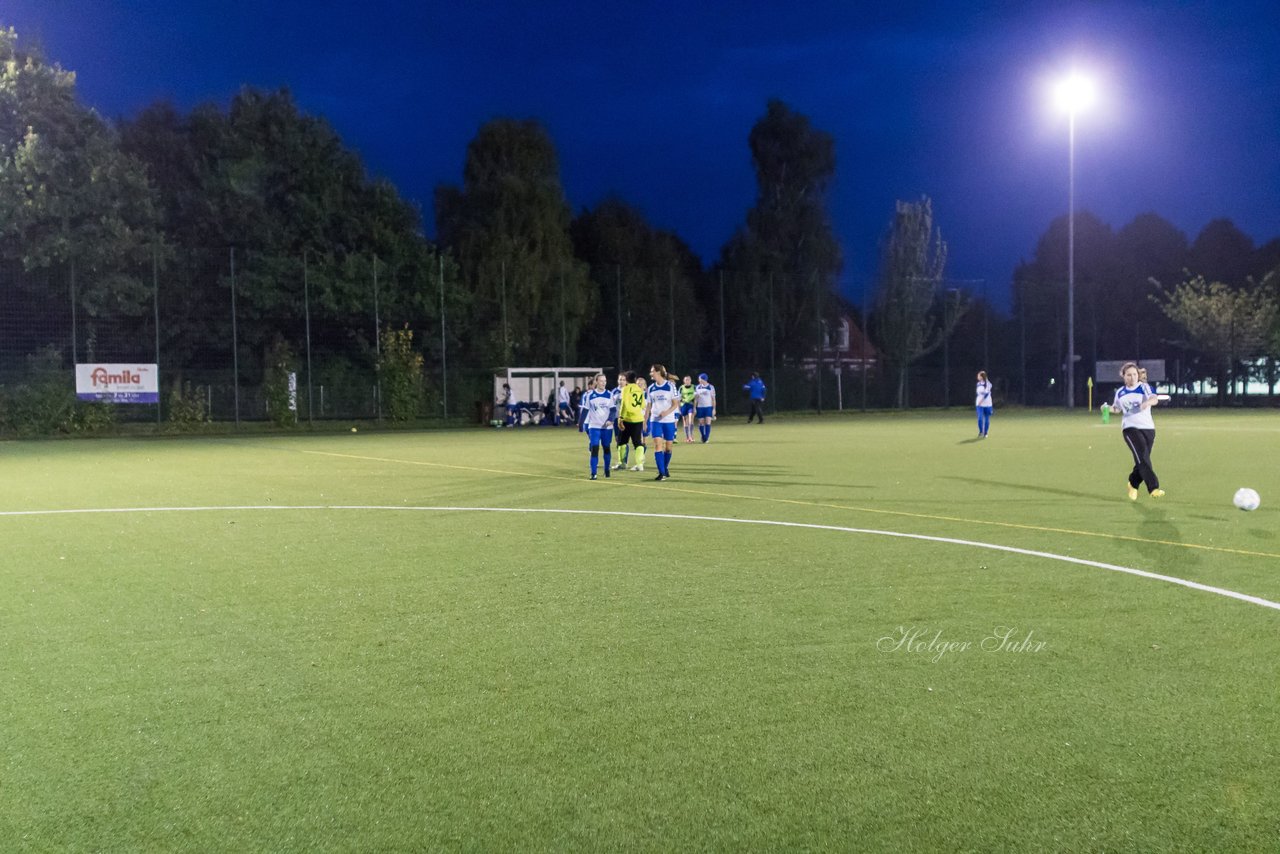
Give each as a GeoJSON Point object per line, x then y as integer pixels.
{"type": "Point", "coordinates": [1071, 260]}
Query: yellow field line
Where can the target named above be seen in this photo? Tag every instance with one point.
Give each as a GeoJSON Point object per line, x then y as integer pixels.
{"type": "Point", "coordinates": [666, 487]}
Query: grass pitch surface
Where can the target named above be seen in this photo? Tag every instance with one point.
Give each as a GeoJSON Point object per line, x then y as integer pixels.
{"type": "Point", "coordinates": [389, 679]}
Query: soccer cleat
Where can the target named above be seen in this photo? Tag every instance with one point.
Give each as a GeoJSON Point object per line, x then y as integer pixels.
{"type": "Point", "coordinates": [661, 477]}
{"type": "Point", "coordinates": [593, 477]}
{"type": "Point", "coordinates": [1157, 493]}
{"type": "Point", "coordinates": [617, 466]}
{"type": "Point", "coordinates": [1133, 493]}
{"type": "Point", "coordinates": [606, 474]}
{"type": "Point", "coordinates": [637, 468]}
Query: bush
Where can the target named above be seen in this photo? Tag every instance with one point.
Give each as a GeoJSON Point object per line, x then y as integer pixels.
{"type": "Point", "coordinates": [400, 374]}
{"type": "Point", "coordinates": [279, 362]}
{"type": "Point", "coordinates": [187, 406]}
{"type": "Point", "coordinates": [87, 417]}
{"type": "Point", "coordinates": [46, 403]}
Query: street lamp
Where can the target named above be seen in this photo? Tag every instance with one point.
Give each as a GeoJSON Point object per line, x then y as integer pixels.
{"type": "Point", "coordinates": [1074, 93]}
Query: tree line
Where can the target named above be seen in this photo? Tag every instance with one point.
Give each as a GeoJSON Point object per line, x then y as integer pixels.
{"type": "Point", "coordinates": [101, 209]}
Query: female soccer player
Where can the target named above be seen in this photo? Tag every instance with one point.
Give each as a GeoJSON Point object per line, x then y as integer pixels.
{"type": "Point", "coordinates": [983, 404]}
{"type": "Point", "coordinates": [660, 413]}
{"type": "Point", "coordinates": [598, 414]}
{"type": "Point", "coordinates": [1135, 400]}
{"type": "Point", "coordinates": [631, 414]}
{"type": "Point", "coordinates": [704, 397]}
{"type": "Point", "coordinates": [620, 435]}
{"type": "Point", "coordinates": [686, 408]}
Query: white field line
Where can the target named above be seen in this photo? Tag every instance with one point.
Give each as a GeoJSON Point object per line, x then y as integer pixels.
{"type": "Point", "coordinates": [1111, 567]}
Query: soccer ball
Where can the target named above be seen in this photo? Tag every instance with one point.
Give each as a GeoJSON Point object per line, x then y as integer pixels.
{"type": "Point", "coordinates": [1246, 499]}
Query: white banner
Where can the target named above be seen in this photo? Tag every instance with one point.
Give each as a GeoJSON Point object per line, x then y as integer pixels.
{"type": "Point", "coordinates": [112, 383]}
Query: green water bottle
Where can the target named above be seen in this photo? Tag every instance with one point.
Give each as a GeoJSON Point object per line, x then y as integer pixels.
{"type": "Point", "coordinates": [1106, 414]}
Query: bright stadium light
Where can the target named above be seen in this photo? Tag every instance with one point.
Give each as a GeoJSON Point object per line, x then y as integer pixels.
{"type": "Point", "coordinates": [1074, 93]}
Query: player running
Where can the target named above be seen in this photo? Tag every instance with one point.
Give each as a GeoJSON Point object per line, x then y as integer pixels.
{"type": "Point", "coordinates": [598, 414]}
{"type": "Point", "coordinates": [1135, 400]}
{"type": "Point", "coordinates": [686, 408]}
{"type": "Point", "coordinates": [660, 414]}
{"type": "Point", "coordinates": [704, 399]}
{"type": "Point", "coordinates": [631, 416]}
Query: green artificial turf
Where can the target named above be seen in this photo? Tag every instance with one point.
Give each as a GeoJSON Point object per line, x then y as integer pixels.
{"type": "Point", "coordinates": [377, 679]}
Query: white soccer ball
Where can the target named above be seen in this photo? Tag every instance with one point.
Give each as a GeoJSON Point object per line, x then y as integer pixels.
{"type": "Point", "coordinates": [1246, 499]}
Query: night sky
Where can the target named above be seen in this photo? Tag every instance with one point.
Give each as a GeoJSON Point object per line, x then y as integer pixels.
{"type": "Point", "coordinates": [949, 100]}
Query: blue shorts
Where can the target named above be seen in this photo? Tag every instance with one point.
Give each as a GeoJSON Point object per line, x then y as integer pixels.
{"type": "Point", "coordinates": [600, 436]}
{"type": "Point", "coordinates": [704, 411]}
{"type": "Point", "coordinates": [665, 432]}
{"type": "Point", "coordinates": [685, 409]}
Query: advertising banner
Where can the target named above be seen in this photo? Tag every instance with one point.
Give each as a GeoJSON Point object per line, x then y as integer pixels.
{"type": "Point", "coordinates": [112, 383]}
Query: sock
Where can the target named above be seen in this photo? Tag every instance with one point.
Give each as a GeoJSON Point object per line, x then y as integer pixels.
{"type": "Point", "coordinates": [640, 455]}
{"type": "Point", "coordinates": [595, 457]}
{"type": "Point", "coordinates": [622, 453]}
{"type": "Point", "coordinates": [666, 463]}
{"type": "Point", "coordinates": [608, 460]}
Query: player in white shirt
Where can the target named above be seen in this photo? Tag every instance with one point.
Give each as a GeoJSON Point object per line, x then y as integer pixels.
{"type": "Point", "coordinates": [564, 414]}
{"type": "Point", "coordinates": [662, 402]}
{"type": "Point", "coordinates": [1134, 400]}
{"type": "Point", "coordinates": [599, 412]}
{"type": "Point", "coordinates": [983, 404]}
{"type": "Point", "coordinates": [704, 406]}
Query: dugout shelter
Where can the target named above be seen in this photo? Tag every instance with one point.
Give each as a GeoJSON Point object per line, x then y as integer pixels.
{"type": "Point", "coordinates": [535, 385]}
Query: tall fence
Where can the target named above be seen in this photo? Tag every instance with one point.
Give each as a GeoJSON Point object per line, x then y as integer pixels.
{"type": "Point", "coordinates": [225, 326]}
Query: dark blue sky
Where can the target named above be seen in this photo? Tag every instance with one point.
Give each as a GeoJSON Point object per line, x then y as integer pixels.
{"type": "Point", "coordinates": [655, 100]}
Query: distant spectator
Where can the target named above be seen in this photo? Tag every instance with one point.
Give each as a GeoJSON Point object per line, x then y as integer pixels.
{"type": "Point", "coordinates": [755, 387]}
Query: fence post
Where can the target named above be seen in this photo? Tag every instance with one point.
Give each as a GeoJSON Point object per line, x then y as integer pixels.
{"type": "Point", "coordinates": [155, 300]}
{"type": "Point", "coordinates": [617, 276]}
{"type": "Point", "coordinates": [724, 369]}
{"type": "Point", "coordinates": [75, 347]}
{"type": "Point", "coordinates": [377, 344]}
{"type": "Point", "coordinates": [444, 349]}
{"type": "Point", "coordinates": [862, 347]}
{"type": "Point", "coordinates": [235, 344]}
{"type": "Point", "coordinates": [306, 308]}
{"type": "Point", "coordinates": [773, 372]}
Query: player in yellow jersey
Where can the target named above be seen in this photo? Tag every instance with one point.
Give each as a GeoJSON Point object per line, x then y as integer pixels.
{"type": "Point", "coordinates": [631, 419]}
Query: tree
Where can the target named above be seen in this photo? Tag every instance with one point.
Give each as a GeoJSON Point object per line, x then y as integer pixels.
{"type": "Point", "coordinates": [508, 226]}
{"type": "Point", "coordinates": [1221, 252]}
{"type": "Point", "coordinates": [657, 276]}
{"type": "Point", "coordinates": [783, 262]}
{"type": "Point", "coordinates": [281, 188]}
{"type": "Point", "coordinates": [70, 200]}
{"type": "Point", "coordinates": [913, 260]}
{"type": "Point", "coordinates": [1229, 324]}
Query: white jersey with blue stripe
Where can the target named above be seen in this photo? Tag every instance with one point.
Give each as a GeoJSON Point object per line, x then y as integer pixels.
{"type": "Point", "coordinates": [663, 396]}
{"type": "Point", "coordinates": [704, 395]}
{"type": "Point", "coordinates": [984, 394]}
{"type": "Point", "coordinates": [1129, 401]}
{"type": "Point", "coordinates": [599, 408]}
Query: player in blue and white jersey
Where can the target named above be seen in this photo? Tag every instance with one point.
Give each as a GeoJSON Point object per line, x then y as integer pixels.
{"type": "Point", "coordinates": [982, 403]}
{"type": "Point", "coordinates": [704, 406]}
{"type": "Point", "coordinates": [599, 413]}
{"type": "Point", "coordinates": [662, 402]}
{"type": "Point", "coordinates": [1134, 400]}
